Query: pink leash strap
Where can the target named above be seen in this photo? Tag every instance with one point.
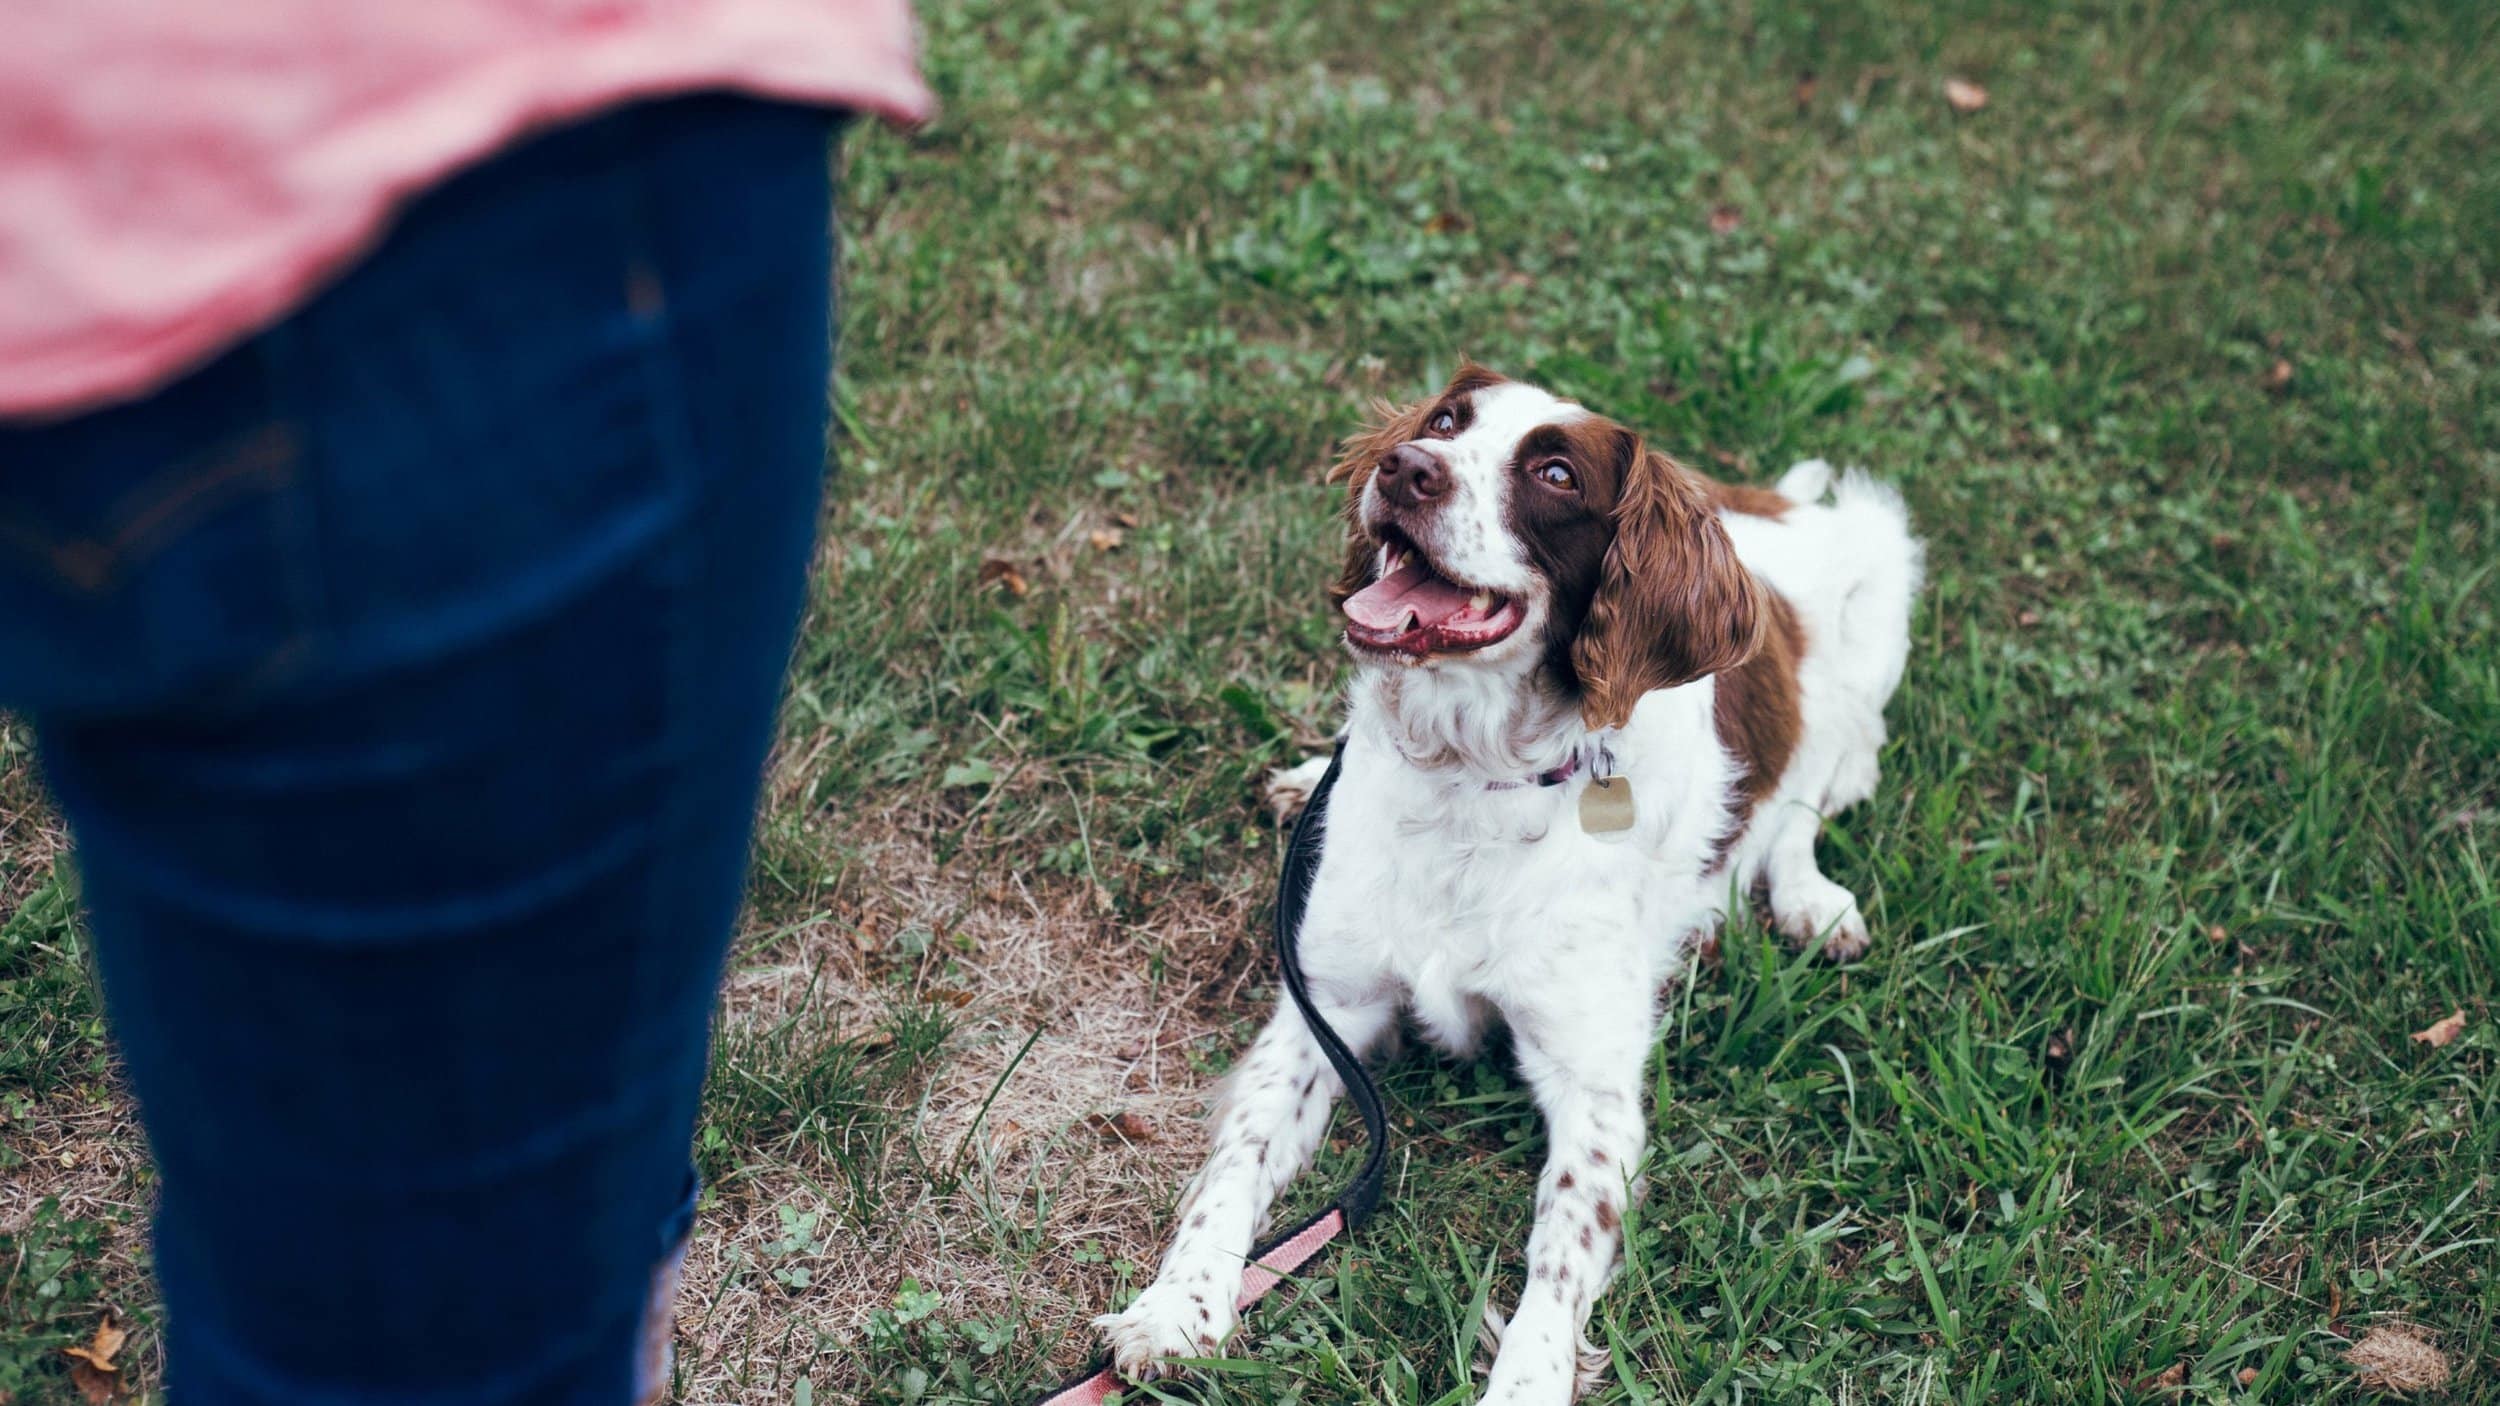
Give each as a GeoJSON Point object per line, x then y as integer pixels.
{"type": "Point", "coordinates": [1270, 1269]}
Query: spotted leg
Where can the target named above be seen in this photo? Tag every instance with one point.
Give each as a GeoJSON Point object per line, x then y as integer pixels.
{"type": "Point", "coordinates": [1583, 1062]}
{"type": "Point", "coordinates": [1272, 1116]}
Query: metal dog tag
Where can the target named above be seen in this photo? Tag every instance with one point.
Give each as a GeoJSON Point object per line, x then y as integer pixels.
{"type": "Point", "coordinates": [1606, 809]}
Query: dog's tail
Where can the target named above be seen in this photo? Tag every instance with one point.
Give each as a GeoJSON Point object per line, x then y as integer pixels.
{"type": "Point", "coordinates": [1875, 616]}
{"type": "Point", "coordinates": [1806, 481]}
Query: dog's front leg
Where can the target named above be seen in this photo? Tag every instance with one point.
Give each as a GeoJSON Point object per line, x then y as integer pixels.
{"type": "Point", "coordinates": [1582, 1058]}
{"type": "Point", "coordinates": [1270, 1120]}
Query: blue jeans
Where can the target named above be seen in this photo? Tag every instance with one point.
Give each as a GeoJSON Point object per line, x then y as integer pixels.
{"type": "Point", "coordinates": [406, 677]}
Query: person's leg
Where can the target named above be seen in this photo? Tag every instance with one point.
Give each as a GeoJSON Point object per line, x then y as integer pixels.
{"type": "Point", "coordinates": [406, 678]}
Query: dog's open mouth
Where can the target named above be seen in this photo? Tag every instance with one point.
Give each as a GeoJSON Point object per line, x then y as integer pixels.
{"type": "Point", "coordinates": [1414, 609]}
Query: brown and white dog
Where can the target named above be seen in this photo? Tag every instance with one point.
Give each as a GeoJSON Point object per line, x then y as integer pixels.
{"type": "Point", "coordinates": [1536, 599]}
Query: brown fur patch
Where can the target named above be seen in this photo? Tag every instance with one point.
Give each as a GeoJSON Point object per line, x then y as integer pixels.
{"type": "Point", "coordinates": [1746, 498]}
{"type": "Point", "coordinates": [1759, 713]}
{"type": "Point", "coordinates": [1674, 603]}
{"type": "Point", "coordinates": [1567, 536]}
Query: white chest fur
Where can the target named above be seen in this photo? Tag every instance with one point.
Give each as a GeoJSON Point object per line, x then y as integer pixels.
{"type": "Point", "coordinates": [1465, 899]}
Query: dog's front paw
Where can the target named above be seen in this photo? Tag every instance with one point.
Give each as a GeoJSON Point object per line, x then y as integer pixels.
{"type": "Point", "coordinates": [1289, 788]}
{"type": "Point", "coordinates": [1542, 1383]}
{"type": "Point", "coordinates": [1170, 1319]}
{"type": "Point", "coordinates": [1518, 1383]}
{"type": "Point", "coordinates": [1818, 908]}
{"type": "Point", "coordinates": [1528, 1377]}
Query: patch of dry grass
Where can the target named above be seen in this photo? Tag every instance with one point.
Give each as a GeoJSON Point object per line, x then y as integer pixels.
{"type": "Point", "coordinates": [1040, 1154]}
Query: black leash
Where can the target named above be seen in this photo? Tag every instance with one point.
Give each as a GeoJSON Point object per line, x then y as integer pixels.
{"type": "Point", "coordinates": [1293, 895]}
{"type": "Point", "coordinates": [1288, 1250]}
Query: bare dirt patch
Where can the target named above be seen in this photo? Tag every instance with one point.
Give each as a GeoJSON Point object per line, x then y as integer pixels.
{"type": "Point", "coordinates": [1045, 1147]}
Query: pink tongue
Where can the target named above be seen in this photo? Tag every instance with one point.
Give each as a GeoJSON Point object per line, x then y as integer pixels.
{"type": "Point", "coordinates": [1411, 590]}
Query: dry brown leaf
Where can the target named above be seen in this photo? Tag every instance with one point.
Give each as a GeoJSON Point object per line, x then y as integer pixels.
{"type": "Point", "coordinates": [97, 1386]}
{"type": "Point", "coordinates": [1106, 539]}
{"type": "Point", "coordinates": [1962, 95]}
{"type": "Point", "coordinates": [1446, 222]}
{"type": "Point", "coordinates": [1805, 90]}
{"type": "Point", "coordinates": [1724, 219]}
{"type": "Point", "coordinates": [100, 1351]}
{"type": "Point", "coordinates": [2248, 1376]}
{"type": "Point", "coordinates": [1129, 1126]}
{"type": "Point", "coordinates": [2174, 1375]}
{"type": "Point", "coordinates": [2279, 374]}
{"type": "Point", "coordinates": [2027, 618]}
{"type": "Point", "coordinates": [92, 1369]}
{"type": "Point", "coordinates": [2399, 1357]}
{"type": "Point", "coordinates": [998, 571]}
{"type": "Point", "coordinates": [1125, 518]}
{"type": "Point", "coordinates": [2439, 1034]}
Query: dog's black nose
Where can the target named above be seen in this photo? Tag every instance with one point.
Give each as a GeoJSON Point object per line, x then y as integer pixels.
{"type": "Point", "coordinates": [1411, 476]}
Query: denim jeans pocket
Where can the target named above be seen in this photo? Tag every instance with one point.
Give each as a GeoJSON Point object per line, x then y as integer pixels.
{"type": "Point", "coordinates": [138, 569]}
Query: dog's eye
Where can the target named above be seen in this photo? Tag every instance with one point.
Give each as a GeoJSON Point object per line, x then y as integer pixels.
{"type": "Point", "coordinates": [1442, 422]}
{"type": "Point", "coordinates": [1556, 473]}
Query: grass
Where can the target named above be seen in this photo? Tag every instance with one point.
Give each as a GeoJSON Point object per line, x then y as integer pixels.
{"type": "Point", "coordinates": [2185, 349]}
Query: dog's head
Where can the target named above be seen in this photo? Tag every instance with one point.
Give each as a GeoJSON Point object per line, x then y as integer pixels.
{"type": "Point", "coordinates": [1497, 527]}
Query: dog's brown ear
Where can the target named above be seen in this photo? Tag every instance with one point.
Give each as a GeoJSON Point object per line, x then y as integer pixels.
{"type": "Point", "coordinates": [1387, 427]}
{"type": "Point", "coordinates": [1673, 603]}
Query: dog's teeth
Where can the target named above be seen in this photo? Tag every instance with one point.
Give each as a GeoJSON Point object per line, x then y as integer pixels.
{"type": "Point", "coordinates": [1414, 621]}
{"type": "Point", "coordinates": [1481, 601]}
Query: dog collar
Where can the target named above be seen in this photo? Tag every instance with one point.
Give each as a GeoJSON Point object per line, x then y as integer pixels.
{"type": "Point", "coordinates": [1555, 777]}
{"type": "Point", "coordinates": [1603, 758]}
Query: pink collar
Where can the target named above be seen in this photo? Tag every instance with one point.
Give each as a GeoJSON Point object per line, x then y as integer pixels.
{"type": "Point", "coordinates": [1604, 757]}
{"type": "Point", "coordinates": [1556, 777]}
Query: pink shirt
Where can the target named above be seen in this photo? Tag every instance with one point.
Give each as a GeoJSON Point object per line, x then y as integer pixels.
{"type": "Point", "coordinates": [177, 174]}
